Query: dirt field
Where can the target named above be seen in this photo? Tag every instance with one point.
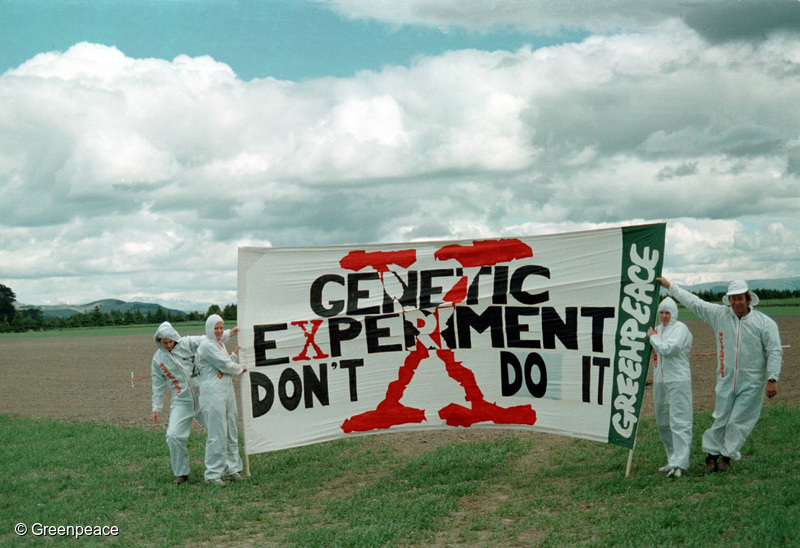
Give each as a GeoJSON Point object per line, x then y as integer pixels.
{"type": "Point", "coordinates": [89, 378]}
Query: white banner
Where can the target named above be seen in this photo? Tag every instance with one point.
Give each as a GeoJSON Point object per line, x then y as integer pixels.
{"type": "Point", "coordinates": [545, 333]}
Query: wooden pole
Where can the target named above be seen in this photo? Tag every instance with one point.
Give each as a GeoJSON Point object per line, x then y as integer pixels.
{"type": "Point", "coordinates": [630, 460]}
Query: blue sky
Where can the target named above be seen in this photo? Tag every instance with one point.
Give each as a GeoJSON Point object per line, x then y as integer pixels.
{"type": "Point", "coordinates": [283, 39]}
{"type": "Point", "coordinates": [158, 136]}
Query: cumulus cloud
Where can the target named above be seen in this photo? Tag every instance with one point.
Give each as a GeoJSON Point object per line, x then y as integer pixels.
{"type": "Point", "coordinates": [127, 177]}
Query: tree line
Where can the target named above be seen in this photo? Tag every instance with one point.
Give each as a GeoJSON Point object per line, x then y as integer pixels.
{"type": "Point", "coordinates": [763, 294]}
{"type": "Point", "coordinates": [32, 319]}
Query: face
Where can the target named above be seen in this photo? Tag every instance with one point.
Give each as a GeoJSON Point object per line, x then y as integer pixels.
{"type": "Point", "coordinates": [168, 344]}
{"type": "Point", "coordinates": [665, 316]}
{"type": "Point", "coordinates": [219, 329]}
{"type": "Point", "coordinates": [739, 304]}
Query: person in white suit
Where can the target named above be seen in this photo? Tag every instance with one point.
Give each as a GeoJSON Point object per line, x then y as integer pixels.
{"type": "Point", "coordinates": [218, 404]}
{"type": "Point", "coordinates": [672, 387]}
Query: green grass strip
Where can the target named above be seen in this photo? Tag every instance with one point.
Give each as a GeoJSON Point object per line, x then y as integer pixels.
{"type": "Point", "coordinates": [505, 491]}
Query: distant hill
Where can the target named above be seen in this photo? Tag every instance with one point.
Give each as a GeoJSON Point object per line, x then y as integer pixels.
{"type": "Point", "coordinates": [105, 306]}
{"type": "Point", "coordinates": [777, 284]}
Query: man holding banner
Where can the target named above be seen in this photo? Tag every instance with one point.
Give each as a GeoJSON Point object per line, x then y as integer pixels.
{"type": "Point", "coordinates": [749, 357]}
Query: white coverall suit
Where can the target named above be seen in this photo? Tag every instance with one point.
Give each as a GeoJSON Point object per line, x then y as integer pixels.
{"type": "Point", "coordinates": [672, 386]}
{"type": "Point", "coordinates": [218, 404]}
{"type": "Point", "coordinates": [174, 369]}
{"type": "Point", "coordinates": [748, 352]}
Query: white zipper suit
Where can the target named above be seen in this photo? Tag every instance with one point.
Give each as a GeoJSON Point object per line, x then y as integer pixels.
{"type": "Point", "coordinates": [672, 386]}
{"type": "Point", "coordinates": [218, 404]}
{"type": "Point", "coordinates": [175, 369]}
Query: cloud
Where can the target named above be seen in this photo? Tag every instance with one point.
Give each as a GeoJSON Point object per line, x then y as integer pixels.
{"type": "Point", "coordinates": [122, 177]}
{"type": "Point", "coordinates": [715, 20]}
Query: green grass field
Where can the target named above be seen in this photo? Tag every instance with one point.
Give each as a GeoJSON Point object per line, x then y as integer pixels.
{"type": "Point", "coordinates": [502, 492]}
{"type": "Point", "coordinates": [145, 329]}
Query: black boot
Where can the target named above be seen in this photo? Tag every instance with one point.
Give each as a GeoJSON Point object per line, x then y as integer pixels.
{"type": "Point", "coordinates": [711, 463]}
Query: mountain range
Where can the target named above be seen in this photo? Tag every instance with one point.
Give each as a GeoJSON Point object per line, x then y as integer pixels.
{"type": "Point", "coordinates": [104, 305]}
{"type": "Point", "coordinates": [777, 284]}
{"type": "Point", "coordinates": [110, 305]}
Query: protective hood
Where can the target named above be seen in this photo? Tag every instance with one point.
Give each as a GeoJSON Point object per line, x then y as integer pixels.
{"type": "Point", "coordinates": [738, 287]}
{"type": "Point", "coordinates": [212, 320]}
{"type": "Point", "coordinates": [670, 306]}
{"type": "Point", "coordinates": [165, 330]}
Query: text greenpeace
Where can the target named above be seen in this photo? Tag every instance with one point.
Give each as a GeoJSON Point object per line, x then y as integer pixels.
{"type": "Point", "coordinates": [518, 332]}
{"type": "Point", "coordinates": [637, 302]}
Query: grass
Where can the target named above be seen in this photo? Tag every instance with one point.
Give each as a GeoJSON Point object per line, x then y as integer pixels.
{"type": "Point", "coordinates": [117, 330]}
{"type": "Point", "coordinates": [505, 491]}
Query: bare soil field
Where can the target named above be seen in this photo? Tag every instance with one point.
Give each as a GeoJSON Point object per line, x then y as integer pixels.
{"type": "Point", "coordinates": [89, 379]}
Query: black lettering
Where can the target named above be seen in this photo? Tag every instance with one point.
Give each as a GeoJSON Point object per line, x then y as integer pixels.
{"type": "Point", "coordinates": [598, 315]}
{"type": "Point", "coordinates": [490, 319]}
{"type": "Point", "coordinates": [509, 363]}
{"type": "Point", "coordinates": [514, 329]}
{"type": "Point", "coordinates": [342, 329]}
{"type": "Point", "coordinates": [518, 280]}
{"type": "Point", "coordinates": [428, 290]}
{"type": "Point", "coordinates": [507, 386]}
{"type": "Point", "coordinates": [261, 406]}
{"type": "Point", "coordinates": [602, 364]}
{"type": "Point", "coordinates": [261, 345]}
{"type": "Point", "coordinates": [354, 294]}
{"type": "Point", "coordinates": [375, 333]}
{"type": "Point", "coordinates": [351, 365]}
{"type": "Point", "coordinates": [290, 376]}
{"type": "Point", "coordinates": [315, 386]}
{"type": "Point", "coordinates": [553, 326]}
{"type": "Point", "coordinates": [537, 389]}
{"type": "Point", "coordinates": [587, 379]}
{"type": "Point", "coordinates": [473, 295]}
{"type": "Point", "coordinates": [409, 298]}
{"type": "Point", "coordinates": [500, 285]}
{"type": "Point", "coordinates": [315, 299]}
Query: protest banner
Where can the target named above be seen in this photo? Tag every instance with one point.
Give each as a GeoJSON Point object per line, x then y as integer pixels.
{"type": "Point", "coordinates": [546, 333]}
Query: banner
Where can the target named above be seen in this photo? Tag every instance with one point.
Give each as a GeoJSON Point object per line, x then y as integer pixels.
{"type": "Point", "coordinates": [546, 333]}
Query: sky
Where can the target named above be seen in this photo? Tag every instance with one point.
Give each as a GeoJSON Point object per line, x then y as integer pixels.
{"type": "Point", "coordinates": [143, 142]}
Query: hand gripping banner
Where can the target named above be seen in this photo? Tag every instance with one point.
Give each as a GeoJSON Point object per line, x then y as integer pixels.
{"type": "Point", "coordinates": [546, 333]}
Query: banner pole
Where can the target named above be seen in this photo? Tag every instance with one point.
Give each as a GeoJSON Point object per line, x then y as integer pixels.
{"type": "Point", "coordinates": [630, 460]}
{"type": "Point", "coordinates": [244, 430]}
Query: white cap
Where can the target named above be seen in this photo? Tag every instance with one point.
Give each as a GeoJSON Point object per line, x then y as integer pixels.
{"type": "Point", "coordinates": [737, 287]}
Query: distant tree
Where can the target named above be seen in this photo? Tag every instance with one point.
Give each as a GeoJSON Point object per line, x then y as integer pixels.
{"type": "Point", "coordinates": [213, 309]}
{"type": "Point", "coordinates": [7, 298]}
{"type": "Point", "coordinates": [195, 316]}
{"type": "Point", "coordinates": [116, 317]}
{"type": "Point", "coordinates": [96, 317]}
{"type": "Point", "coordinates": [229, 313]}
{"type": "Point", "coordinates": [160, 316]}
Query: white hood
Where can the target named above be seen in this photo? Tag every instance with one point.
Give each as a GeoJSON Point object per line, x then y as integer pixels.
{"type": "Point", "coordinates": [670, 306]}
